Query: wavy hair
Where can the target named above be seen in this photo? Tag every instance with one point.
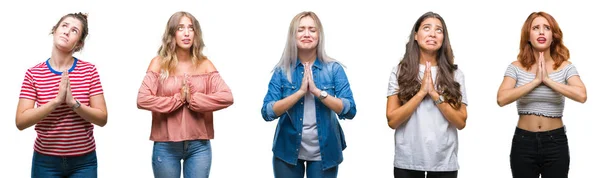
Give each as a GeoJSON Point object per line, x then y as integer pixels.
{"type": "Point", "coordinates": [168, 58]}
{"type": "Point", "coordinates": [558, 50]}
{"type": "Point", "coordinates": [408, 68]}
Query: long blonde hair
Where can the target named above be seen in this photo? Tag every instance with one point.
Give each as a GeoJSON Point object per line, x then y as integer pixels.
{"type": "Point", "coordinates": [290, 52]}
{"type": "Point", "coordinates": [168, 58]}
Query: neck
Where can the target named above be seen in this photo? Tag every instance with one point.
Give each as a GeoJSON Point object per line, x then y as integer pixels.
{"type": "Point", "coordinates": [60, 60]}
{"type": "Point", "coordinates": [183, 55]}
{"type": "Point", "coordinates": [547, 56]}
{"type": "Point", "coordinates": [307, 55]}
{"type": "Point", "coordinates": [428, 57]}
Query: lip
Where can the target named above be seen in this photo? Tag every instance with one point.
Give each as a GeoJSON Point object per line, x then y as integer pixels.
{"type": "Point", "coordinates": [541, 40]}
{"type": "Point", "coordinates": [186, 41]}
{"type": "Point", "coordinates": [431, 42]}
{"type": "Point", "coordinates": [64, 38]}
{"type": "Point", "coordinates": [306, 41]}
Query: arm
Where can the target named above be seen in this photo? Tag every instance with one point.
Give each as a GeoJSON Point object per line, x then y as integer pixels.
{"type": "Point", "coordinates": [398, 114]}
{"type": "Point", "coordinates": [456, 117]}
{"type": "Point", "coordinates": [508, 93]}
{"type": "Point", "coordinates": [218, 96]}
{"type": "Point", "coordinates": [27, 115]}
{"type": "Point", "coordinates": [342, 102]}
{"type": "Point", "coordinates": [95, 113]}
{"type": "Point", "coordinates": [574, 89]}
{"type": "Point", "coordinates": [147, 98]}
{"type": "Point", "coordinates": [274, 105]}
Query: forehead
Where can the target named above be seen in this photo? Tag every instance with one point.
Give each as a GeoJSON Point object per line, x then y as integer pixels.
{"type": "Point", "coordinates": [185, 20]}
{"type": "Point", "coordinates": [539, 20]}
{"type": "Point", "coordinates": [431, 21]}
{"type": "Point", "coordinates": [306, 21]}
{"type": "Point", "coordinates": [72, 21]}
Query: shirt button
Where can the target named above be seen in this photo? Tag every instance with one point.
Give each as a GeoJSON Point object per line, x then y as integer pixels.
{"type": "Point", "coordinates": [299, 133]}
{"type": "Point", "coordinates": [300, 118]}
{"type": "Point", "coordinates": [301, 102]}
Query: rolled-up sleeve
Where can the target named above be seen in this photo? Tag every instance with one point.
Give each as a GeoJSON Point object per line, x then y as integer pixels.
{"type": "Point", "coordinates": [273, 95]}
{"type": "Point", "coordinates": [343, 91]}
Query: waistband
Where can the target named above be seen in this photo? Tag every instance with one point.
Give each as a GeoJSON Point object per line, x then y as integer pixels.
{"type": "Point", "coordinates": [559, 131]}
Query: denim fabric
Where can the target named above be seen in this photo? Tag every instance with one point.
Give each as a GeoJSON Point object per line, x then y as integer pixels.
{"type": "Point", "coordinates": [196, 156]}
{"type": "Point", "coordinates": [46, 166]}
{"type": "Point", "coordinates": [328, 77]}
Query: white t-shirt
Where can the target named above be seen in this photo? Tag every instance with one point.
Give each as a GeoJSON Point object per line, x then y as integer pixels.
{"type": "Point", "coordinates": [426, 141]}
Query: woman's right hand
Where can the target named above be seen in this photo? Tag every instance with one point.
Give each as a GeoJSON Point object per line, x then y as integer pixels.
{"type": "Point", "coordinates": [62, 88]}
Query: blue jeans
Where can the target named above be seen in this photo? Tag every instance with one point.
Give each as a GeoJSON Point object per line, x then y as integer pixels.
{"type": "Point", "coordinates": [46, 166]}
{"type": "Point", "coordinates": [167, 156]}
{"type": "Point", "coordinates": [314, 169]}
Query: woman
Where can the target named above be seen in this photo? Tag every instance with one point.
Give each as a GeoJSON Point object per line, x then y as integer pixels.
{"type": "Point", "coordinates": [427, 103]}
{"type": "Point", "coordinates": [182, 88]}
{"type": "Point", "coordinates": [306, 91]}
{"type": "Point", "coordinates": [68, 96]}
{"type": "Point", "coordinates": [539, 81]}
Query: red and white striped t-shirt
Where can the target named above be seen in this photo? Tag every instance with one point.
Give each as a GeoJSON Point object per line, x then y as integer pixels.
{"type": "Point", "coordinates": [62, 132]}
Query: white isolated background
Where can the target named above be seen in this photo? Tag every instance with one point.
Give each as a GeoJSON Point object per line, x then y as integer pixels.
{"type": "Point", "coordinates": [245, 40]}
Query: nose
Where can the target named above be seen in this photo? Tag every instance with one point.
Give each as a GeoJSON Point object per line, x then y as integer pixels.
{"type": "Point", "coordinates": [305, 34]}
{"type": "Point", "coordinates": [186, 32]}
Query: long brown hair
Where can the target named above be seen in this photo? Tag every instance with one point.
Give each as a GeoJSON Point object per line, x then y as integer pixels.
{"type": "Point", "coordinates": [82, 17]}
{"type": "Point", "coordinates": [408, 68]}
{"type": "Point", "coordinates": [558, 50]}
{"type": "Point", "coordinates": [166, 51]}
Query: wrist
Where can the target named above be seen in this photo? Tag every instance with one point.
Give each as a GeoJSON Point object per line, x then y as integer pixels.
{"type": "Point", "coordinates": [421, 94]}
{"type": "Point", "coordinates": [316, 92]}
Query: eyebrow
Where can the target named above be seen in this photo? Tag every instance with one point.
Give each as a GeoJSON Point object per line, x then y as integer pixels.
{"type": "Point", "coordinates": [437, 25]}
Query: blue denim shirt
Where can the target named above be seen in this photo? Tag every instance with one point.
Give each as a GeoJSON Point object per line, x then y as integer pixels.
{"type": "Point", "coordinates": [328, 77]}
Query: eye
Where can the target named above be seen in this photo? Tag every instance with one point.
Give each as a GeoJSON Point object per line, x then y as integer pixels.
{"type": "Point", "coordinates": [179, 28]}
{"type": "Point", "coordinates": [547, 27]}
{"type": "Point", "coordinates": [535, 28]}
{"type": "Point", "coordinates": [426, 28]}
{"type": "Point", "coordinates": [74, 31]}
{"type": "Point", "coordinates": [439, 30]}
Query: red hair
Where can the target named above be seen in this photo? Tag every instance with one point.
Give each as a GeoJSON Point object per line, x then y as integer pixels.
{"type": "Point", "coordinates": [558, 50]}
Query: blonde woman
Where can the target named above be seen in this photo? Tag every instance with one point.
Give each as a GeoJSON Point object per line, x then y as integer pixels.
{"type": "Point", "coordinates": [182, 88]}
{"type": "Point", "coordinates": [306, 92]}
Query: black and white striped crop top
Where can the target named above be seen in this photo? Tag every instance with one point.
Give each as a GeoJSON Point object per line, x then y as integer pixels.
{"type": "Point", "coordinates": [542, 100]}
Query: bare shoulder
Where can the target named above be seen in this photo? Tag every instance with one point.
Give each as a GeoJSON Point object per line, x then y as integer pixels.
{"type": "Point", "coordinates": [517, 63]}
{"type": "Point", "coordinates": [155, 64]}
{"type": "Point", "coordinates": [206, 66]}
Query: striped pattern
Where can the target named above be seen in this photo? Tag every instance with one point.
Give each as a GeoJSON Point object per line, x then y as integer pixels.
{"type": "Point", "coordinates": [62, 132]}
{"type": "Point", "coordinates": [542, 100]}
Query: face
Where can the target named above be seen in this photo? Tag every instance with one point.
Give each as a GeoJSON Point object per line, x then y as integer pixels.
{"type": "Point", "coordinates": [67, 34]}
{"type": "Point", "coordinates": [307, 36]}
{"type": "Point", "coordinates": [540, 34]}
{"type": "Point", "coordinates": [430, 35]}
{"type": "Point", "coordinates": [184, 33]}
